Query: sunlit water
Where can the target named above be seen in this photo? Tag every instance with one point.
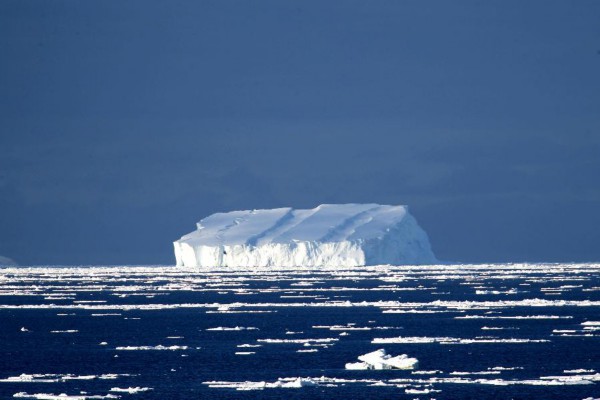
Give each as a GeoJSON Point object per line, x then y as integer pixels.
{"type": "Point", "coordinates": [527, 331]}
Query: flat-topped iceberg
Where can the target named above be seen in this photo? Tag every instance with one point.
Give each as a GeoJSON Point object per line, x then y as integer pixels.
{"type": "Point", "coordinates": [330, 235]}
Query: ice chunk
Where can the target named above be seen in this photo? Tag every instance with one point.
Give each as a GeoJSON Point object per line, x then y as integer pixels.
{"type": "Point", "coordinates": [130, 390]}
{"type": "Point", "coordinates": [281, 383]}
{"type": "Point", "coordinates": [336, 235]}
{"type": "Point", "coordinates": [380, 359]}
{"type": "Point", "coordinates": [62, 396]}
{"type": "Point", "coordinates": [358, 365]}
{"type": "Point", "coordinates": [235, 328]}
{"type": "Point", "coordinates": [159, 347]}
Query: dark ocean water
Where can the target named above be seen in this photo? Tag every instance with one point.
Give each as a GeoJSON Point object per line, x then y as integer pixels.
{"type": "Point", "coordinates": [541, 336]}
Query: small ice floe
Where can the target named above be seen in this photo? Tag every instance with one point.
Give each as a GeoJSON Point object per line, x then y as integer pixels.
{"type": "Point", "coordinates": [579, 371]}
{"type": "Point", "coordinates": [48, 378]}
{"type": "Point", "coordinates": [23, 329]}
{"type": "Point", "coordinates": [504, 368]}
{"type": "Point", "coordinates": [353, 327]}
{"type": "Point", "coordinates": [483, 340]}
{"type": "Point", "coordinates": [33, 378]}
{"type": "Point", "coordinates": [592, 325]}
{"type": "Point", "coordinates": [421, 391]}
{"type": "Point", "coordinates": [515, 317]}
{"type": "Point", "coordinates": [235, 328]}
{"type": "Point", "coordinates": [380, 384]}
{"type": "Point", "coordinates": [103, 343]}
{"type": "Point", "coordinates": [106, 315]}
{"type": "Point", "coordinates": [62, 396]}
{"type": "Point", "coordinates": [411, 340]}
{"type": "Point", "coordinates": [244, 353]}
{"type": "Point", "coordinates": [130, 390]}
{"type": "Point", "coordinates": [66, 331]}
{"type": "Point", "coordinates": [89, 301]}
{"type": "Point", "coordinates": [498, 328]}
{"type": "Point", "coordinates": [412, 311]}
{"type": "Point", "coordinates": [159, 347]}
{"type": "Point", "coordinates": [577, 379]}
{"type": "Point", "coordinates": [511, 291]}
{"type": "Point", "coordinates": [58, 297]}
{"type": "Point", "coordinates": [380, 359]}
{"type": "Point", "coordinates": [462, 373]}
{"type": "Point", "coordinates": [302, 283]}
{"type": "Point", "coordinates": [347, 327]}
{"type": "Point", "coordinates": [309, 342]}
{"type": "Point", "coordinates": [281, 383]}
{"type": "Point", "coordinates": [451, 340]}
{"type": "Point", "coordinates": [307, 351]}
{"type": "Point", "coordinates": [588, 329]}
{"type": "Point", "coordinates": [241, 312]}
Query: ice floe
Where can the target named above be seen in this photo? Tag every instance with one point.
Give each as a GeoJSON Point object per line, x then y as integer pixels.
{"type": "Point", "coordinates": [452, 340]}
{"type": "Point", "coordinates": [421, 391]}
{"type": "Point", "coordinates": [158, 347]}
{"type": "Point", "coordinates": [309, 341]}
{"type": "Point", "coordinates": [281, 383]}
{"type": "Point", "coordinates": [130, 390]}
{"type": "Point", "coordinates": [235, 328]}
{"type": "Point", "coordinates": [380, 359]}
{"type": "Point", "coordinates": [62, 396]}
{"type": "Point", "coordinates": [48, 378]}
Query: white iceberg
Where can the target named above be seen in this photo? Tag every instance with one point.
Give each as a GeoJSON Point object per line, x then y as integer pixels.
{"type": "Point", "coordinates": [380, 359]}
{"type": "Point", "coordinates": [330, 235]}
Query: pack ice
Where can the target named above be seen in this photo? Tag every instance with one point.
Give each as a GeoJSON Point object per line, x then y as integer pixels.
{"type": "Point", "coordinates": [330, 235]}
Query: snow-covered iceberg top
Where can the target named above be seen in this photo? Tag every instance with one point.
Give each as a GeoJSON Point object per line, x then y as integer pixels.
{"type": "Point", "coordinates": [344, 235]}
{"type": "Point", "coordinates": [380, 359]}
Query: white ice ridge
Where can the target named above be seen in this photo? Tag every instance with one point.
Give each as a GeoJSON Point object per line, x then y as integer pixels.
{"type": "Point", "coordinates": [380, 359]}
{"type": "Point", "coordinates": [330, 235]}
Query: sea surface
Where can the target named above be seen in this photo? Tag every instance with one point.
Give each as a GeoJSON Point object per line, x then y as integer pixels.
{"type": "Point", "coordinates": [510, 331]}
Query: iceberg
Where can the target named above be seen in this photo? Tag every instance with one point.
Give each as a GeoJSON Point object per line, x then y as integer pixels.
{"type": "Point", "coordinates": [380, 359]}
{"type": "Point", "coordinates": [330, 235]}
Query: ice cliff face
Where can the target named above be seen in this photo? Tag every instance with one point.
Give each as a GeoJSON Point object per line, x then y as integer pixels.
{"type": "Point", "coordinates": [344, 235]}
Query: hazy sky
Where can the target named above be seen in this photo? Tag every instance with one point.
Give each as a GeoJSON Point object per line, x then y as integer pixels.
{"type": "Point", "coordinates": [123, 122]}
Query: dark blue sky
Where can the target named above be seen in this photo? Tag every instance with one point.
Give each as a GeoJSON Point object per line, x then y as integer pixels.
{"type": "Point", "coordinates": [122, 123]}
